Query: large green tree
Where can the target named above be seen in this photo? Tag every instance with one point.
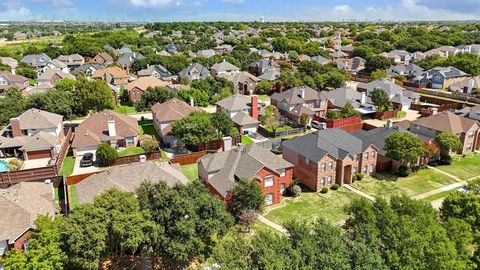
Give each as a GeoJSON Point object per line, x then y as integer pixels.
{"type": "Point", "coordinates": [152, 96]}
{"type": "Point", "coordinates": [448, 142]}
{"type": "Point", "coordinates": [381, 100]}
{"type": "Point", "coordinates": [247, 195]}
{"type": "Point", "coordinates": [404, 147]}
{"type": "Point", "coordinates": [92, 96]}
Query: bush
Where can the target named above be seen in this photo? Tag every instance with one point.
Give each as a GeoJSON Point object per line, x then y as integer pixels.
{"type": "Point", "coordinates": [106, 153]}
{"type": "Point", "coordinates": [404, 171]}
{"type": "Point", "coordinates": [324, 190]}
{"type": "Point", "coordinates": [335, 186]}
{"type": "Point", "coordinates": [358, 176]}
{"type": "Point", "coordinates": [14, 164]}
{"type": "Point", "coordinates": [445, 159]}
{"type": "Point", "coordinates": [294, 190]}
{"type": "Point", "coordinates": [150, 145]}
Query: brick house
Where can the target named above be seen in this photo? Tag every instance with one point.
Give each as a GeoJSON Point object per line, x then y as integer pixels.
{"type": "Point", "coordinates": [112, 75]}
{"type": "Point", "coordinates": [329, 156]}
{"type": "Point", "coordinates": [221, 171]}
{"type": "Point", "coordinates": [102, 58]}
{"type": "Point", "coordinates": [468, 130]}
{"type": "Point", "coordinates": [243, 110]}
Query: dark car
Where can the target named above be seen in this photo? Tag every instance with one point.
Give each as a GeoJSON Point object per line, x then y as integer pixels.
{"type": "Point", "coordinates": [87, 160]}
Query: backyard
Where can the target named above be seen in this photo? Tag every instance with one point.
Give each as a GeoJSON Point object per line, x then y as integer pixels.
{"type": "Point", "coordinates": [147, 127]}
{"type": "Point", "coordinates": [190, 171]}
{"type": "Point", "coordinates": [67, 166]}
{"type": "Point", "coordinates": [464, 167]}
{"type": "Point", "coordinates": [72, 197]}
{"type": "Point", "coordinates": [386, 185]}
{"type": "Point", "coordinates": [246, 140]}
{"type": "Point", "coordinates": [124, 109]}
{"type": "Point", "coordinates": [312, 205]}
{"type": "Point", "coordinates": [131, 151]}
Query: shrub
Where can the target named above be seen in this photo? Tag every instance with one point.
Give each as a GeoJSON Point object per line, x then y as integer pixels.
{"type": "Point", "coordinates": [404, 171]}
{"type": "Point", "coordinates": [359, 176]}
{"type": "Point", "coordinates": [106, 153]}
{"type": "Point", "coordinates": [445, 159]}
{"type": "Point", "coordinates": [335, 186]}
{"type": "Point", "coordinates": [150, 145]}
{"type": "Point", "coordinates": [294, 190]}
{"type": "Point", "coordinates": [324, 190]}
{"type": "Point", "coordinates": [14, 164]}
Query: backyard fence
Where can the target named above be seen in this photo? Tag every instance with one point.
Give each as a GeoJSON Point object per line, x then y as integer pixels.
{"type": "Point", "coordinates": [385, 115]}
{"type": "Point", "coordinates": [75, 179]}
{"type": "Point", "coordinates": [37, 174]}
{"type": "Point", "coordinates": [271, 134]}
{"type": "Point", "coordinates": [187, 159]}
{"type": "Point", "coordinates": [130, 159]}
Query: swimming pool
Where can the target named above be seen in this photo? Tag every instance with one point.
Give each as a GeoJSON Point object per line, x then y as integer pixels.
{"type": "Point", "coordinates": [3, 166]}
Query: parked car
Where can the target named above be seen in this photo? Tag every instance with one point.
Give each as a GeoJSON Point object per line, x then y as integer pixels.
{"type": "Point", "coordinates": [87, 160]}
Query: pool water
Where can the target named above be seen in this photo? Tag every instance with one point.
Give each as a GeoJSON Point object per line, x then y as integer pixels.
{"type": "Point", "coordinates": [3, 166]}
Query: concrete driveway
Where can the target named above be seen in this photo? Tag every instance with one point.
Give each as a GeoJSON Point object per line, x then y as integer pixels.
{"type": "Point", "coordinates": [82, 170]}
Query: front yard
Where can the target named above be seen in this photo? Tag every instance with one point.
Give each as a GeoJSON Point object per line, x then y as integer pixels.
{"type": "Point", "coordinates": [311, 205]}
{"type": "Point", "coordinates": [386, 185]}
{"type": "Point", "coordinates": [463, 167]}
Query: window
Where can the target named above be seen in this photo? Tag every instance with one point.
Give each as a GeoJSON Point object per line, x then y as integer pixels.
{"type": "Point", "coordinates": [365, 169]}
{"type": "Point", "coordinates": [269, 199]}
{"type": "Point", "coordinates": [330, 166]}
{"type": "Point", "coordinates": [281, 172]}
{"type": "Point", "coordinates": [282, 189]}
{"type": "Point", "coordinates": [329, 179]}
{"type": "Point", "coordinates": [366, 156]}
{"type": "Point", "coordinates": [417, 127]}
{"type": "Point", "coordinates": [268, 181]}
{"type": "Point", "coordinates": [471, 134]}
{"type": "Point", "coordinates": [307, 161]}
{"type": "Point", "coordinates": [129, 140]}
{"type": "Point", "coordinates": [469, 146]}
{"type": "Point", "coordinates": [322, 181]}
{"type": "Point", "coordinates": [373, 154]}
{"type": "Point", "coordinates": [372, 168]}
{"type": "Point", "coordinates": [322, 167]}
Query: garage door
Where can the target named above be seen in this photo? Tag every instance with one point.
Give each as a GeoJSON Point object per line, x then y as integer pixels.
{"type": "Point", "coordinates": [80, 151]}
{"type": "Point", "coordinates": [38, 154]}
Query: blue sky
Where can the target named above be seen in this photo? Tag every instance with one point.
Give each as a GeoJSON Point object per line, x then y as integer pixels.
{"type": "Point", "coordinates": [239, 10]}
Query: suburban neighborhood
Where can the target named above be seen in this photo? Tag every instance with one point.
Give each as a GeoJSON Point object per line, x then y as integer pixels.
{"type": "Point", "coordinates": [239, 145]}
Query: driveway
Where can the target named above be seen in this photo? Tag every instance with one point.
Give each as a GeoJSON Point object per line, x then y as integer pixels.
{"type": "Point", "coordinates": [82, 170]}
{"type": "Point", "coordinates": [35, 163]}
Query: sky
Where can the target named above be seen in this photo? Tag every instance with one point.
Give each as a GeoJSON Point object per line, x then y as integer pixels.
{"type": "Point", "coordinates": [238, 10]}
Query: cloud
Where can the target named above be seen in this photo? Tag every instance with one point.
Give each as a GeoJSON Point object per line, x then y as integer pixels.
{"type": "Point", "coordinates": [155, 3]}
{"type": "Point", "coordinates": [233, 2]}
{"type": "Point", "coordinates": [14, 14]}
{"type": "Point", "coordinates": [56, 3]}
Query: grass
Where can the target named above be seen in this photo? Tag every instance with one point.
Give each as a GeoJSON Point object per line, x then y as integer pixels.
{"type": "Point", "coordinates": [463, 167]}
{"type": "Point", "coordinates": [73, 197]}
{"type": "Point", "coordinates": [296, 135]}
{"type": "Point", "coordinates": [263, 97]}
{"type": "Point", "coordinates": [246, 140]}
{"type": "Point", "coordinates": [131, 151]}
{"type": "Point", "coordinates": [124, 109]}
{"type": "Point", "coordinates": [437, 196]}
{"type": "Point", "coordinates": [190, 171]}
{"type": "Point", "coordinates": [67, 166]}
{"type": "Point", "coordinates": [311, 205]}
{"type": "Point", "coordinates": [280, 128]}
{"type": "Point", "coordinates": [147, 127]}
{"type": "Point", "coordinates": [386, 185]}
{"type": "Point", "coordinates": [400, 115]}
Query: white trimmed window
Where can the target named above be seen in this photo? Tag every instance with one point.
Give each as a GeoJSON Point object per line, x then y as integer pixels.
{"type": "Point", "coordinates": [330, 166]}
{"type": "Point", "coordinates": [373, 154]}
{"type": "Point", "coordinates": [329, 179]}
{"type": "Point", "coordinates": [281, 172]}
{"type": "Point", "coordinates": [365, 169]}
{"type": "Point", "coordinates": [372, 168]}
{"type": "Point", "coordinates": [322, 181]}
{"type": "Point", "coordinates": [268, 181]}
{"type": "Point", "coordinates": [366, 156]}
{"type": "Point", "coordinates": [269, 199]}
{"type": "Point", "coordinates": [322, 167]}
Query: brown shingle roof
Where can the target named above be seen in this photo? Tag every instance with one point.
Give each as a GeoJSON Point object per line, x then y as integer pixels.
{"type": "Point", "coordinates": [172, 110]}
{"type": "Point", "coordinates": [143, 83]}
{"type": "Point", "coordinates": [91, 131]}
{"type": "Point", "coordinates": [446, 121]}
{"type": "Point", "coordinates": [113, 71]}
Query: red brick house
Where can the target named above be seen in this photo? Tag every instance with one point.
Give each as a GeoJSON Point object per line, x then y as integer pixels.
{"type": "Point", "coordinates": [221, 171]}
{"type": "Point", "coordinates": [329, 156]}
{"type": "Point", "coordinates": [103, 58]}
{"type": "Point", "coordinates": [140, 85]}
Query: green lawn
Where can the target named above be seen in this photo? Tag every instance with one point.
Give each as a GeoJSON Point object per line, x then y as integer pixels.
{"type": "Point", "coordinates": [190, 171]}
{"type": "Point", "coordinates": [73, 197]}
{"type": "Point", "coordinates": [437, 196]}
{"type": "Point", "coordinates": [246, 140]}
{"type": "Point", "coordinates": [146, 127]}
{"type": "Point", "coordinates": [386, 185]}
{"type": "Point", "coordinates": [311, 205]}
{"type": "Point", "coordinates": [400, 115]}
{"type": "Point", "coordinates": [67, 166]}
{"type": "Point", "coordinates": [280, 128]}
{"type": "Point", "coordinates": [124, 109]}
{"type": "Point", "coordinates": [463, 167]}
{"type": "Point", "coordinates": [131, 151]}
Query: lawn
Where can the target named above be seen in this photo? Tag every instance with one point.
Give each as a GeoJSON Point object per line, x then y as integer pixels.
{"type": "Point", "coordinates": [437, 196]}
{"type": "Point", "coordinates": [311, 205]}
{"type": "Point", "coordinates": [464, 167]}
{"type": "Point", "coordinates": [190, 171]}
{"type": "Point", "coordinates": [386, 185]}
{"type": "Point", "coordinates": [124, 109]}
{"type": "Point", "coordinates": [246, 140]}
{"type": "Point", "coordinates": [67, 166]}
{"type": "Point", "coordinates": [146, 127]}
{"type": "Point", "coordinates": [131, 151]}
{"type": "Point", "coordinates": [279, 129]}
{"type": "Point", "coordinates": [73, 197]}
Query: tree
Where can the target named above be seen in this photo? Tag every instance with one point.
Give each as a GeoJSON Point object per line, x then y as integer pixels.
{"type": "Point", "coordinates": [12, 105]}
{"type": "Point", "coordinates": [92, 96]}
{"type": "Point", "coordinates": [150, 145]}
{"type": "Point", "coordinates": [66, 84]}
{"type": "Point", "coordinates": [187, 217]}
{"type": "Point", "coordinates": [247, 195]}
{"type": "Point", "coordinates": [304, 119]}
{"type": "Point", "coordinates": [152, 96]}
{"type": "Point", "coordinates": [263, 88]}
{"type": "Point", "coordinates": [223, 124]}
{"type": "Point", "coordinates": [106, 153]}
{"type": "Point", "coordinates": [349, 111]}
{"type": "Point", "coordinates": [44, 248]}
{"type": "Point", "coordinates": [429, 150]}
{"type": "Point", "coordinates": [199, 97]}
{"type": "Point", "coordinates": [381, 100]}
{"type": "Point", "coordinates": [379, 74]}
{"type": "Point", "coordinates": [248, 217]}
{"type": "Point", "coordinates": [26, 71]}
{"type": "Point", "coordinates": [404, 147]}
{"type": "Point", "coordinates": [195, 128]}
{"type": "Point", "coordinates": [448, 142]}
{"type": "Point", "coordinates": [377, 62]}
{"type": "Point", "coordinates": [233, 253]}
{"type": "Point", "coordinates": [59, 102]}
{"type": "Point", "coordinates": [270, 118]}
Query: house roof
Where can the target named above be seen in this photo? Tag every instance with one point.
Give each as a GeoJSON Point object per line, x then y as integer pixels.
{"type": "Point", "coordinates": [377, 136]}
{"type": "Point", "coordinates": [48, 74]}
{"type": "Point", "coordinates": [240, 77]}
{"type": "Point", "coordinates": [38, 119]}
{"type": "Point", "coordinates": [127, 58]}
{"type": "Point", "coordinates": [293, 95]}
{"type": "Point", "coordinates": [94, 129]}
{"type": "Point", "coordinates": [113, 71]}
{"type": "Point", "coordinates": [20, 205]}
{"type": "Point", "coordinates": [340, 96]}
{"type": "Point", "coordinates": [334, 141]}
{"type": "Point", "coordinates": [235, 102]}
{"type": "Point", "coordinates": [238, 164]}
{"type": "Point", "coordinates": [204, 72]}
{"type": "Point", "coordinates": [446, 121]}
{"type": "Point", "coordinates": [355, 63]}
{"type": "Point", "coordinates": [85, 67]}
{"type": "Point", "coordinates": [9, 61]}
{"type": "Point", "coordinates": [12, 78]}
{"type": "Point", "coordinates": [390, 87]}
{"type": "Point", "coordinates": [447, 72]}
{"type": "Point", "coordinates": [129, 178]}
{"type": "Point", "coordinates": [224, 66]}
{"type": "Point", "coordinates": [269, 75]}
{"type": "Point", "coordinates": [71, 59]}
{"type": "Point", "coordinates": [172, 110]}
{"type": "Point", "coordinates": [159, 68]}
{"type": "Point", "coordinates": [36, 60]}
{"type": "Point", "coordinates": [57, 63]}
{"type": "Point", "coordinates": [40, 141]}
{"type": "Point", "coordinates": [242, 119]}
{"type": "Point", "coordinates": [143, 83]}
{"type": "Point", "coordinates": [320, 59]}
{"type": "Point", "coordinates": [105, 56]}
{"type": "Point", "coordinates": [460, 85]}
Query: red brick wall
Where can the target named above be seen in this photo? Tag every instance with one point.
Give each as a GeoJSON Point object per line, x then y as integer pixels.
{"type": "Point", "coordinates": [18, 244]}
{"type": "Point", "coordinates": [135, 94]}
{"type": "Point", "coordinates": [277, 181]}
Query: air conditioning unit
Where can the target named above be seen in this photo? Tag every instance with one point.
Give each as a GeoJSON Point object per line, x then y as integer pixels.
{"type": "Point", "coordinates": [143, 158]}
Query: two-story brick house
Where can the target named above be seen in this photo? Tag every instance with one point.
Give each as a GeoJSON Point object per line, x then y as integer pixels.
{"type": "Point", "coordinates": [329, 156]}
{"type": "Point", "coordinates": [221, 171]}
{"type": "Point", "coordinates": [468, 130]}
{"type": "Point", "coordinates": [299, 100]}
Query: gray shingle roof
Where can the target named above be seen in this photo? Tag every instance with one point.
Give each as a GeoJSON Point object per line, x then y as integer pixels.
{"type": "Point", "coordinates": [235, 102]}
{"type": "Point", "coordinates": [203, 72]}
{"type": "Point", "coordinates": [293, 95]}
{"type": "Point", "coordinates": [38, 119]}
{"type": "Point", "coordinates": [242, 119]}
{"type": "Point", "coordinates": [390, 87]}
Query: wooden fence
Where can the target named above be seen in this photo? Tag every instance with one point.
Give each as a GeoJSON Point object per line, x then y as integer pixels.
{"type": "Point", "coordinates": [58, 161]}
{"type": "Point", "coordinates": [215, 145]}
{"type": "Point", "coordinates": [75, 179]}
{"type": "Point", "coordinates": [131, 159]}
{"type": "Point", "coordinates": [458, 96]}
{"type": "Point", "coordinates": [36, 174]}
{"type": "Point", "coordinates": [186, 159]}
{"type": "Point", "coordinates": [361, 77]}
{"type": "Point", "coordinates": [385, 115]}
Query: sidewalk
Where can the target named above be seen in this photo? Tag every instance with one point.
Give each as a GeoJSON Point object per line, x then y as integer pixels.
{"type": "Point", "coordinates": [361, 193]}
{"type": "Point", "coordinates": [272, 224]}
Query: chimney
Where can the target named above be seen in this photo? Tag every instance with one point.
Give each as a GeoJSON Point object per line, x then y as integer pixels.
{"type": "Point", "coordinates": [389, 123]}
{"type": "Point", "coordinates": [112, 132]}
{"type": "Point", "coordinates": [363, 98]}
{"type": "Point", "coordinates": [15, 126]}
{"type": "Point", "coordinates": [254, 107]}
{"type": "Point", "coordinates": [434, 111]}
{"type": "Point", "coordinates": [471, 84]}
{"type": "Point", "coordinates": [302, 92]}
{"type": "Point", "coordinates": [192, 102]}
